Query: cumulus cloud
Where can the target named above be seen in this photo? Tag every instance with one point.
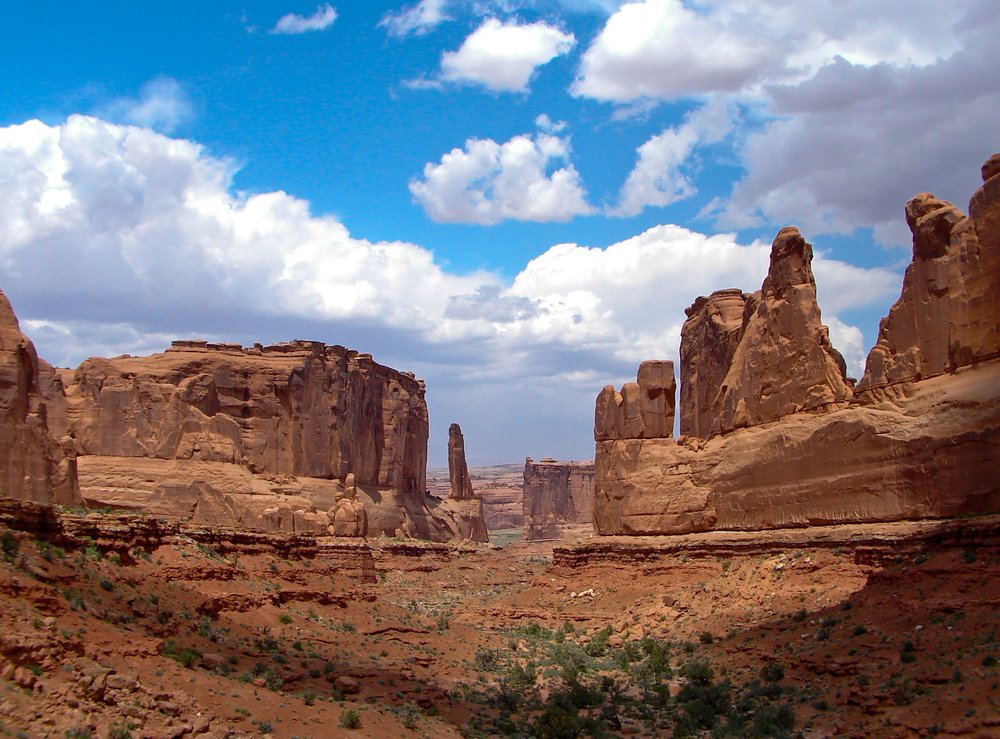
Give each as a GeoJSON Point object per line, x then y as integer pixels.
{"type": "Point", "coordinates": [487, 182]}
{"type": "Point", "coordinates": [293, 23]}
{"type": "Point", "coordinates": [660, 175]}
{"type": "Point", "coordinates": [668, 50]}
{"type": "Point", "coordinates": [415, 20]}
{"type": "Point", "coordinates": [856, 105]}
{"type": "Point", "coordinates": [503, 56]}
{"type": "Point", "coordinates": [116, 239]}
{"type": "Point", "coordinates": [162, 104]}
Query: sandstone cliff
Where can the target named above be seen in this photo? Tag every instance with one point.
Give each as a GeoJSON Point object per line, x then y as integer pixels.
{"type": "Point", "coordinates": [782, 361]}
{"type": "Point", "coordinates": [781, 440]}
{"type": "Point", "coordinates": [643, 409]}
{"type": "Point", "coordinates": [33, 465]}
{"type": "Point", "coordinates": [948, 313]}
{"type": "Point", "coordinates": [465, 507]}
{"type": "Point", "coordinates": [297, 437]}
{"type": "Point", "coordinates": [556, 494]}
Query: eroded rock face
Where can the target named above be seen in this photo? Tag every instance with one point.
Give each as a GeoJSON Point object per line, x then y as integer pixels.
{"type": "Point", "coordinates": [298, 437]}
{"type": "Point", "coordinates": [920, 438]}
{"type": "Point", "coordinates": [301, 408]}
{"type": "Point", "coordinates": [33, 465]}
{"type": "Point", "coordinates": [464, 506]}
{"type": "Point", "coordinates": [348, 516]}
{"type": "Point", "coordinates": [458, 469]}
{"type": "Point", "coordinates": [947, 315]}
{"type": "Point", "coordinates": [709, 339]}
{"type": "Point", "coordinates": [782, 362]}
{"type": "Point", "coordinates": [556, 493]}
{"type": "Point", "coordinates": [643, 409]}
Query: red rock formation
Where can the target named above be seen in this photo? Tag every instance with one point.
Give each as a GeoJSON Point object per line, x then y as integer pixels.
{"type": "Point", "coordinates": [463, 504]}
{"type": "Point", "coordinates": [33, 466]}
{"type": "Point", "coordinates": [300, 408]}
{"type": "Point", "coordinates": [947, 315]}
{"type": "Point", "coordinates": [555, 494]}
{"type": "Point", "coordinates": [642, 410]}
{"type": "Point", "coordinates": [458, 469]}
{"type": "Point", "coordinates": [919, 439]}
{"type": "Point", "coordinates": [268, 437]}
{"type": "Point", "coordinates": [709, 339]}
{"type": "Point", "coordinates": [783, 361]}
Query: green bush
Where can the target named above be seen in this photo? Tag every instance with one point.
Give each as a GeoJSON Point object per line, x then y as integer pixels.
{"type": "Point", "coordinates": [350, 719]}
{"type": "Point", "coordinates": [10, 546]}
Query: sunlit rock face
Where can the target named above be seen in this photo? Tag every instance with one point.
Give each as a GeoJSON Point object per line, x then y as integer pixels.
{"type": "Point", "coordinates": [773, 434]}
{"type": "Point", "coordinates": [33, 464]}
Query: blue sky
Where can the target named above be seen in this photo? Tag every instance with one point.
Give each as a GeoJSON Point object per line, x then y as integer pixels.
{"type": "Point", "coordinates": [515, 200]}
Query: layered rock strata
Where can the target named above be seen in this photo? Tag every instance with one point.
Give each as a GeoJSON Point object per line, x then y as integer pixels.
{"type": "Point", "coordinates": [556, 494]}
{"type": "Point", "coordinates": [782, 440]}
{"type": "Point", "coordinates": [296, 437]}
{"type": "Point", "coordinates": [465, 507]}
{"type": "Point", "coordinates": [33, 464]}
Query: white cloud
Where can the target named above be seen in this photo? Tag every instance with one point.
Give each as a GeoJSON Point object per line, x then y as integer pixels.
{"type": "Point", "coordinates": [162, 104]}
{"type": "Point", "coordinates": [503, 56]}
{"type": "Point", "coordinates": [487, 182]}
{"type": "Point", "coordinates": [668, 50]}
{"type": "Point", "coordinates": [116, 238]}
{"type": "Point", "coordinates": [851, 106]}
{"type": "Point", "coordinates": [416, 19]}
{"type": "Point", "coordinates": [660, 176]}
{"type": "Point", "coordinates": [293, 23]}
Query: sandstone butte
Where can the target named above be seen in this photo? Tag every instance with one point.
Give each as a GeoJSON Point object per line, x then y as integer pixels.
{"type": "Point", "coordinates": [774, 434]}
{"type": "Point", "coordinates": [556, 494]}
{"type": "Point", "coordinates": [297, 437]}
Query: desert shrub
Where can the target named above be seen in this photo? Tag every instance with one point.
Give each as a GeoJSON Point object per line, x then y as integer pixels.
{"type": "Point", "coordinates": [119, 730]}
{"type": "Point", "coordinates": [486, 660]}
{"type": "Point", "coordinates": [701, 701]}
{"type": "Point", "coordinates": [10, 546]}
{"type": "Point", "coordinates": [107, 585]}
{"type": "Point", "coordinates": [772, 672]}
{"type": "Point", "coordinates": [350, 719]}
{"type": "Point", "coordinates": [706, 637]}
{"type": "Point", "coordinates": [989, 661]}
{"type": "Point", "coordinates": [556, 722]}
{"type": "Point", "coordinates": [285, 618]}
{"type": "Point", "coordinates": [598, 644]}
{"type": "Point", "coordinates": [656, 665]}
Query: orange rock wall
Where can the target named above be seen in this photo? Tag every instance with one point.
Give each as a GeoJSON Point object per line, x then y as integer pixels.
{"type": "Point", "coordinates": [782, 440]}
{"type": "Point", "coordinates": [33, 465]}
{"type": "Point", "coordinates": [300, 408]}
{"type": "Point", "coordinates": [556, 493]}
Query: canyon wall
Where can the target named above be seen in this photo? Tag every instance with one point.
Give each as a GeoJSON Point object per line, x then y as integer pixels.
{"type": "Point", "coordinates": [33, 464]}
{"type": "Point", "coordinates": [556, 494]}
{"type": "Point", "coordinates": [297, 437]}
{"type": "Point", "coordinates": [772, 432]}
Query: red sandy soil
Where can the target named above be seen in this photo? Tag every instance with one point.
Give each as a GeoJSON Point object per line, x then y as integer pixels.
{"type": "Point", "coordinates": [878, 640]}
